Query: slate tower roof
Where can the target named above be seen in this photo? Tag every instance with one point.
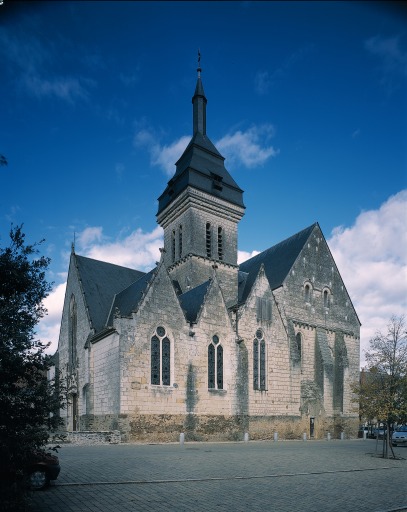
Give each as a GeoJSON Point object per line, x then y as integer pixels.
{"type": "Point", "coordinates": [201, 165]}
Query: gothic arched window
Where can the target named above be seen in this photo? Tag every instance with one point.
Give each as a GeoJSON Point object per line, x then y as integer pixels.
{"type": "Point", "coordinates": [259, 361]}
{"type": "Point", "coordinates": [215, 364]}
{"type": "Point", "coordinates": [160, 358]}
{"type": "Point", "coordinates": [72, 332]}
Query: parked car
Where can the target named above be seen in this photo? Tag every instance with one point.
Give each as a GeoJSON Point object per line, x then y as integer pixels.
{"type": "Point", "coordinates": [379, 433]}
{"type": "Point", "coordinates": [399, 436]}
{"type": "Point", "coordinates": [39, 470]}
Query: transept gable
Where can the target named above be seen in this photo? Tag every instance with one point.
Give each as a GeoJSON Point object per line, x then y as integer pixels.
{"type": "Point", "coordinates": [192, 301]}
{"type": "Point", "coordinates": [213, 305]}
{"type": "Point", "coordinates": [277, 261]}
{"type": "Point", "coordinates": [259, 297]}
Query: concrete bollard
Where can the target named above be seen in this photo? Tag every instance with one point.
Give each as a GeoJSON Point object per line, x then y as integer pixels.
{"type": "Point", "coordinates": [246, 437]}
{"type": "Point", "coordinates": [304, 436]}
{"type": "Point", "coordinates": [181, 438]}
{"type": "Point", "coordinates": [328, 436]}
{"type": "Point", "coordinates": [364, 435]}
{"type": "Point", "coordinates": [342, 436]}
{"type": "Point", "coordinates": [275, 436]}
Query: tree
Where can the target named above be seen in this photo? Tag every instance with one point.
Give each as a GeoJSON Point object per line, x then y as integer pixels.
{"type": "Point", "coordinates": [29, 403]}
{"type": "Point", "coordinates": [383, 390]}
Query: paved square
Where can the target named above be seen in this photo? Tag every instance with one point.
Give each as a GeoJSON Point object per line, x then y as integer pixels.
{"type": "Point", "coordinates": [283, 476]}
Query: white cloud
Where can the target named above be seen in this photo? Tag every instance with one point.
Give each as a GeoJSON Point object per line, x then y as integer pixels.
{"type": "Point", "coordinates": [166, 156]}
{"type": "Point", "coordinates": [64, 88]}
{"type": "Point", "coordinates": [250, 148]}
{"type": "Point", "coordinates": [36, 64]}
{"type": "Point", "coordinates": [394, 59]}
{"type": "Point", "coordinates": [48, 328]}
{"type": "Point", "coordinates": [372, 258]}
{"type": "Point", "coordinates": [139, 250]}
{"type": "Point", "coordinates": [244, 255]}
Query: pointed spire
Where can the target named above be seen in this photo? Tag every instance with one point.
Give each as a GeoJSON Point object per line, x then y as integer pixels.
{"type": "Point", "coordinates": [199, 103]}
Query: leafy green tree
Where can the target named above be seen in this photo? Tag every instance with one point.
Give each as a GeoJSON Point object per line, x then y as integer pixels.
{"type": "Point", "coordinates": [29, 403]}
{"type": "Point", "coordinates": [383, 388]}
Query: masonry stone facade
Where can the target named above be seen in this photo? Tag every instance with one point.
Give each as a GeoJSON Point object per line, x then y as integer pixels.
{"type": "Point", "coordinates": [200, 344]}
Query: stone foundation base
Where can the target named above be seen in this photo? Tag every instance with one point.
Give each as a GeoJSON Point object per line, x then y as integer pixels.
{"type": "Point", "coordinates": [164, 428]}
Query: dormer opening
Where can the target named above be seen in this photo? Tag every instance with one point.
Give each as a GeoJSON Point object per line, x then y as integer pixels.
{"type": "Point", "coordinates": [217, 181]}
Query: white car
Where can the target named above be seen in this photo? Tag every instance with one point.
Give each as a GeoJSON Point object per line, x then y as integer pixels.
{"type": "Point", "coordinates": [399, 436]}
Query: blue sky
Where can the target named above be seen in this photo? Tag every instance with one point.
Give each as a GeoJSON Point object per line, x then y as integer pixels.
{"type": "Point", "coordinates": [306, 100]}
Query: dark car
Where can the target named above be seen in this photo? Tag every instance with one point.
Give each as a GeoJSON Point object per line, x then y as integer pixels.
{"type": "Point", "coordinates": [39, 469]}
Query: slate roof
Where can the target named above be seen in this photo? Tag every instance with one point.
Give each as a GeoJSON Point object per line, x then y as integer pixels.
{"type": "Point", "coordinates": [100, 282]}
{"type": "Point", "coordinates": [277, 261]}
{"type": "Point", "coordinates": [127, 300]}
{"type": "Point", "coordinates": [192, 300]}
{"type": "Point", "coordinates": [199, 164]}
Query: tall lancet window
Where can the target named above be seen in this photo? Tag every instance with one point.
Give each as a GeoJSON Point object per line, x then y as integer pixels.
{"type": "Point", "coordinates": [160, 358]}
{"type": "Point", "coordinates": [259, 361]}
{"type": "Point", "coordinates": [173, 246]}
{"type": "Point", "coordinates": [180, 240]}
{"type": "Point", "coordinates": [208, 240]}
{"type": "Point", "coordinates": [220, 243]}
{"type": "Point", "coordinates": [215, 364]}
{"type": "Point", "coordinates": [72, 326]}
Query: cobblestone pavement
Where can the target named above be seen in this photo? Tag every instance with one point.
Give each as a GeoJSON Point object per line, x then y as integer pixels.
{"type": "Point", "coordinates": [283, 476]}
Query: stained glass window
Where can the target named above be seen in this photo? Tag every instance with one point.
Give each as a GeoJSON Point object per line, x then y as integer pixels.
{"type": "Point", "coordinates": [166, 345]}
{"type": "Point", "coordinates": [211, 366]}
{"type": "Point", "coordinates": [259, 361]}
{"type": "Point", "coordinates": [73, 324]}
{"type": "Point", "coordinates": [255, 364]}
{"type": "Point", "coordinates": [155, 360]}
{"type": "Point", "coordinates": [160, 358]}
{"type": "Point", "coordinates": [215, 364]}
{"type": "Point", "coordinates": [262, 365]}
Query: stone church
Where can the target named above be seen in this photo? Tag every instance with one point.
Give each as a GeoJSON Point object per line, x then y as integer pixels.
{"type": "Point", "coordinates": [201, 345]}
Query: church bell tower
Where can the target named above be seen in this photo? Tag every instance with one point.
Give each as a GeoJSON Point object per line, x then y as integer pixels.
{"type": "Point", "coordinates": [199, 211]}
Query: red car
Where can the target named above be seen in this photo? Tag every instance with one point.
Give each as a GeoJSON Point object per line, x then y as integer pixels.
{"type": "Point", "coordinates": [42, 468]}
{"type": "Point", "coordinates": [39, 469]}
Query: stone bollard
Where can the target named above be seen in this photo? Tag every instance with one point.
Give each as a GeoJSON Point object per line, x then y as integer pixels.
{"type": "Point", "coordinates": [328, 436]}
{"type": "Point", "coordinates": [181, 438]}
{"type": "Point", "coordinates": [246, 437]}
{"type": "Point", "coordinates": [304, 436]}
{"type": "Point", "coordinates": [364, 435]}
{"type": "Point", "coordinates": [342, 436]}
{"type": "Point", "coordinates": [275, 436]}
